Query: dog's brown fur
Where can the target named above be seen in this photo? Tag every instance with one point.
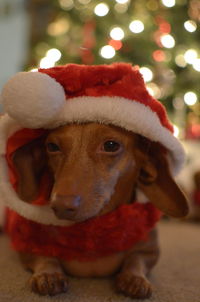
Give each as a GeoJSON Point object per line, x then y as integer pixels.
{"type": "Point", "coordinates": [87, 181]}
{"type": "Point", "coordinates": [196, 206]}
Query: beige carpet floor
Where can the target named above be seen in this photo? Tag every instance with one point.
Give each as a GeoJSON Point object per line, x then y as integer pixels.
{"type": "Point", "coordinates": [176, 278]}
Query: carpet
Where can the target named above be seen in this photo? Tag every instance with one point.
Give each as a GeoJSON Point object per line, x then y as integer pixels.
{"type": "Point", "coordinates": [176, 278]}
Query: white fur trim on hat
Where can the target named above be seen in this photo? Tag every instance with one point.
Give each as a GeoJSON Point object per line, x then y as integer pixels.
{"type": "Point", "coordinates": [33, 98]}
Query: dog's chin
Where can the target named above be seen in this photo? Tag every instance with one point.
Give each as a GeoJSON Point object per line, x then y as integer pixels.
{"type": "Point", "coordinates": [79, 217]}
{"type": "Point", "coordinates": [70, 218]}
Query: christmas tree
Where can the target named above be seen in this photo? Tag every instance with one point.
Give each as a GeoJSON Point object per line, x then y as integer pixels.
{"type": "Point", "coordinates": [161, 37]}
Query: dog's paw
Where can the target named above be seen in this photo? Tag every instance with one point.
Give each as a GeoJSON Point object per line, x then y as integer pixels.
{"type": "Point", "coordinates": [49, 283]}
{"type": "Point", "coordinates": [136, 287]}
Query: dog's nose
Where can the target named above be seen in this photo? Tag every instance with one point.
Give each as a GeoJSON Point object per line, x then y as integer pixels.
{"type": "Point", "coordinates": [66, 206]}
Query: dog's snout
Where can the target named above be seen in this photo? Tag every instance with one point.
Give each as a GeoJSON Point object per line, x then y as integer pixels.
{"type": "Point", "coordinates": [66, 206]}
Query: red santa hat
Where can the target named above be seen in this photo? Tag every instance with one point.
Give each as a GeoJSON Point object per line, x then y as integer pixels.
{"type": "Point", "coordinates": [110, 94]}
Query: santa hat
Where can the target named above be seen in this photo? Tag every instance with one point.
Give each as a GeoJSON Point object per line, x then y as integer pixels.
{"type": "Point", "coordinates": [110, 94]}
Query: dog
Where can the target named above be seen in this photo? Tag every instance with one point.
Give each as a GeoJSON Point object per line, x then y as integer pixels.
{"type": "Point", "coordinates": [94, 169]}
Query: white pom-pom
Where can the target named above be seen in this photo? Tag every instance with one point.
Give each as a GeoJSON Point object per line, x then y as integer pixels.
{"type": "Point", "coordinates": [33, 99]}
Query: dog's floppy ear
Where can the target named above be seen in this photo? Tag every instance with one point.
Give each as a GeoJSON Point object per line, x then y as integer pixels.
{"type": "Point", "coordinates": [157, 183]}
{"type": "Point", "coordinates": [29, 162]}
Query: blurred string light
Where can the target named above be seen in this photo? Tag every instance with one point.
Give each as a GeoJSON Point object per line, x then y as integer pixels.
{"type": "Point", "coordinates": [84, 1]}
{"type": "Point", "coordinates": [147, 74]}
{"type": "Point", "coordinates": [116, 44]}
{"type": "Point", "coordinates": [180, 60]}
{"type": "Point", "coordinates": [167, 41]}
{"type": "Point", "coordinates": [117, 33]}
{"type": "Point", "coordinates": [121, 8]}
{"type": "Point", "coordinates": [169, 3]}
{"type": "Point", "coordinates": [66, 4]}
{"type": "Point", "coordinates": [46, 63]}
{"type": "Point", "coordinates": [136, 26]}
{"type": "Point", "coordinates": [122, 1]}
{"type": "Point", "coordinates": [101, 9]}
{"type": "Point", "coordinates": [59, 27]}
{"type": "Point", "coordinates": [159, 55]}
{"type": "Point", "coordinates": [190, 98]}
{"type": "Point", "coordinates": [52, 56]}
{"type": "Point", "coordinates": [154, 90]}
{"type": "Point", "coordinates": [190, 25]}
{"type": "Point", "coordinates": [176, 131]}
{"type": "Point", "coordinates": [190, 56]}
{"type": "Point", "coordinates": [196, 65]}
{"type": "Point", "coordinates": [164, 27]}
{"type": "Point", "coordinates": [107, 52]}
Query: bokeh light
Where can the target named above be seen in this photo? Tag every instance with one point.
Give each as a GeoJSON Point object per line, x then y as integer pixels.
{"type": "Point", "coordinates": [117, 33]}
{"type": "Point", "coordinates": [167, 41]}
{"type": "Point", "coordinates": [147, 74]}
{"type": "Point", "coordinates": [190, 56]}
{"type": "Point", "coordinates": [107, 52]}
{"type": "Point", "coordinates": [196, 65]}
{"type": "Point", "coordinates": [121, 8]}
{"type": "Point", "coordinates": [84, 1]}
{"type": "Point", "coordinates": [58, 27]}
{"type": "Point", "coordinates": [136, 26]}
{"type": "Point", "coordinates": [190, 98]}
{"type": "Point", "coordinates": [180, 60]}
{"type": "Point", "coordinates": [34, 70]}
{"type": "Point", "coordinates": [122, 1]}
{"type": "Point", "coordinates": [164, 27]}
{"type": "Point", "coordinates": [101, 9]}
{"type": "Point", "coordinates": [190, 25]}
{"type": "Point", "coordinates": [159, 55]}
{"type": "Point", "coordinates": [66, 4]}
{"type": "Point", "coordinates": [176, 131]}
{"type": "Point", "coordinates": [168, 3]}
{"type": "Point", "coordinates": [53, 54]}
{"type": "Point", "coordinates": [46, 63]}
{"type": "Point", "coordinates": [116, 44]}
{"type": "Point", "coordinates": [154, 90]}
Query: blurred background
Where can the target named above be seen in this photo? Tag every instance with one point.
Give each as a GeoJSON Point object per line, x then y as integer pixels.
{"type": "Point", "coordinates": [162, 37]}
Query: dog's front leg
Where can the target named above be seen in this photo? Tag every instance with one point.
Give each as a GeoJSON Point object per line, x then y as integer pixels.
{"type": "Point", "coordinates": [132, 281]}
{"type": "Point", "coordinates": [48, 277]}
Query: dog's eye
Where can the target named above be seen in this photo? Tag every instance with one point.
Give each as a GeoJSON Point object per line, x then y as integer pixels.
{"type": "Point", "coordinates": [111, 146]}
{"type": "Point", "coordinates": [51, 147]}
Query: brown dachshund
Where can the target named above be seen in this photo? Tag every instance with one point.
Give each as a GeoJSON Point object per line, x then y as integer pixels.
{"type": "Point", "coordinates": [95, 168]}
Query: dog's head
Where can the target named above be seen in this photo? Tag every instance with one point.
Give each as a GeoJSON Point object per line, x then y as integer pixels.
{"type": "Point", "coordinates": [94, 169]}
